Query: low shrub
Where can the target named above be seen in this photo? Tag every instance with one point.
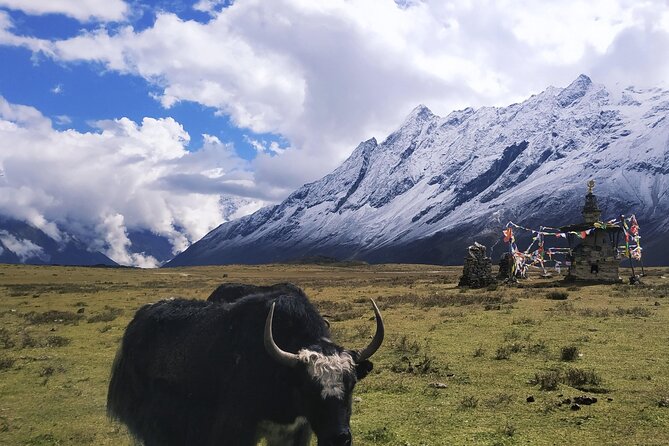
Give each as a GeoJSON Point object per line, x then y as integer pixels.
{"type": "Point", "coordinates": [524, 321]}
{"type": "Point", "coordinates": [6, 363]}
{"type": "Point", "coordinates": [557, 295]}
{"type": "Point", "coordinates": [51, 316]}
{"type": "Point", "coordinates": [585, 380]}
{"type": "Point", "coordinates": [27, 341]}
{"type": "Point", "coordinates": [580, 378]}
{"type": "Point", "coordinates": [405, 345]}
{"type": "Point", "coordinates": [591, 312]}
{"type": "Point", "coordinates": [548, 380]}
{"type": "Point", "coordinates": [108, 314]}
{"type": "Point", "coordinates": [537, 348]}
{"type": "Point", "coordinates": [479, 352]}
{"type": "Point", "coordinates": [422, 365]}
{"type": "Point", "coordinates": [569, 353]}
{"type": "Point", "coordinates": [6, 341]}
{"type": "Point", "coordinates": [57, 341]}
{"type": "Point", "coordinates": [503, 352]}
{"type": "Point", "coordinates": [563, 308]}
{"type": "Point", "coordinates": [508, 430]}
{"type": "Point", "coordinates": [501, 399]}
{"type": "Point", "coordinates": [469, 402]}
{"type": "Point", "coordinates": [634, 311]}
{"type": "Point", "coordinates": [379, 435]}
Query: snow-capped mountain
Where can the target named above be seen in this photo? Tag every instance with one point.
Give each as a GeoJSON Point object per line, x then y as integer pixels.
{"type": "Point", "coordinates": [438, 183]}
{"type": "Point", "coordinates": [24, 243]}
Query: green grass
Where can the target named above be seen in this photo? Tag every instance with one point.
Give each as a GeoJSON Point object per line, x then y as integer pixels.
{"type": "Point", "coordinates": [491, 349]}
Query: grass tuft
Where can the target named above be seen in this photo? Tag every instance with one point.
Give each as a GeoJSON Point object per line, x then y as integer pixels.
{"type": "Point", "coordinates": [53, 316]}
{"type": "Point", "coordinates": [557, 295]}
{"type": "Point", "coordinates": [108, 314]}
{"type": "Point", "coordinates": [585, 380]}
{"type": "Point", "coordinates": [6, 363]}
{"type": "Point", "coordinates": [468, 402]}
{"type": "Point", "coordinates": [569, 353]}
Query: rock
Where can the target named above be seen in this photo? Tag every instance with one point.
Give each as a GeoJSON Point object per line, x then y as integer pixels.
{"type": "Point", "coordinates": [80, 311]}
{"type": "Point", "coordinates": [357, 399]}
{"type": "Point", "coordinates": [438, 385]}
{"type": "Point", "coordinates": [566, 401]}
{"type": "Point", "coordinates": [585, 400]}
{"type": "Point", "coordinates": [664, 402]}
{"type": "Point", "coordinates": [575, 407]}
{"type": "Point", "coordinates": [530, 399]}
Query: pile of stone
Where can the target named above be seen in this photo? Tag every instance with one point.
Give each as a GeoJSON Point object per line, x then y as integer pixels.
{"type": "Point", "coordinates": [505, 267]}
{"type": "Point", "coordinates": [477, 271]}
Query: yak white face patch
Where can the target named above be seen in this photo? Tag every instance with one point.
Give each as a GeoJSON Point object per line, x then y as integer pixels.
{"type": "Point", "coordinates": [329, 371]}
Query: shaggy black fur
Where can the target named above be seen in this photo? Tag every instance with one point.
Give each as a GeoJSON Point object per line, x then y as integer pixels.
{"type": "Point", "coordinates": [196, 373]}
{"type": "Point", "coordinates": [230, 292]}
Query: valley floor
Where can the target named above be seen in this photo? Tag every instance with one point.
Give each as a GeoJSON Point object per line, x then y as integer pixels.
{"type": "Point", "coordinates": [459, 367]}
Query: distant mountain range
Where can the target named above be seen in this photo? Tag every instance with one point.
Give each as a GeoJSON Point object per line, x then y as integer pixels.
{"type": "Point", "coordinates": [436, 184]}
{"type": "Point", "coordinates": [23, 243]}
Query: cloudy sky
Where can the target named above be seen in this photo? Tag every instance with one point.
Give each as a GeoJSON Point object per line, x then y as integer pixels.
{"type": "Point", "coordinates": [120, 115]}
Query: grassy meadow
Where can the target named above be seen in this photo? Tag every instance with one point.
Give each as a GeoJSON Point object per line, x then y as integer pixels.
{"type": "Point", "coordinates": [497, 366]}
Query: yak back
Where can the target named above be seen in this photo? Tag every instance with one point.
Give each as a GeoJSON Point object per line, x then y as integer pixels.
{"type": "Point", "coordinates": [232, 291]}
{"type": "Point", "coordinates": [187, 369]}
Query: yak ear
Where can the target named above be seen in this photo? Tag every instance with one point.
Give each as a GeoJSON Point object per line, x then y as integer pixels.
{"type": "Point", "coordinates": [363, 368]}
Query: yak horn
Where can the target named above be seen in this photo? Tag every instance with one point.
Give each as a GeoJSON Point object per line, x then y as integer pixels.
{"type": "Point", "coordinates": [373, 346]}
{"type": "Point", "coordinates": [282, 357]}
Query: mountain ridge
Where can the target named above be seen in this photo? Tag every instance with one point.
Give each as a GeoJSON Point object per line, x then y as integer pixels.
{"type": "Point", "coordinates": [448, 180]}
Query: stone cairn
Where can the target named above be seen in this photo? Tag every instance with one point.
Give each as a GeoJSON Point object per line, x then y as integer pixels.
{"type": "Point", "coordinates": [477, 271]}
{"type": "Point", "coordinates": [505, 267]}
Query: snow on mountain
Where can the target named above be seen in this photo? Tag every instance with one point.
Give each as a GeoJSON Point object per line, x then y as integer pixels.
{"type": "Point", "coordinates": [436, 184]}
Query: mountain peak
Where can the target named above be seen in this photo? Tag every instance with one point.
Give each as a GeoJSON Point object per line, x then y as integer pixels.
{"type": "Point", "coordinates": [575, 91]}
{"type": "Point", "coordinates": [582, 80]}
{"type": "Point", "coordinates": [419, 113]}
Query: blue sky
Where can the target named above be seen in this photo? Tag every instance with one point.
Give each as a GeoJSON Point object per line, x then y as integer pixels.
{"type": "Point", "coordinates": [74, 95]}
{"type": "Point", "coordinates": [175, 116]}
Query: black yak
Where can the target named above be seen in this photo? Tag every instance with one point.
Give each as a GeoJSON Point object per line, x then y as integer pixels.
{"type": "Point", "coordinates": [230, 292]}
{"type": "Point", "coordinates": [261, 365]}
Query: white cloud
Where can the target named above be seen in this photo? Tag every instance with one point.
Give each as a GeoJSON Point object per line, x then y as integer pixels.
{"type": "Point", "coordinates": [82, 10]}
{"type": "Point", "coordinates": [8, 37]}
{"type": "Point", "coordinates": [103, 184]}
{"type": "Point", "coordinates": [57, 89]}
{"type": "Point", "coordinates": [326, 75]}
{"type": "Point", "coordinates": [24, 249]}
{"type": "Point", "coordinates": [262, 146]}
{"type": "Point", "coordinates": [63, 120]}
{"type": "Point", "coordinates": [209, 6]}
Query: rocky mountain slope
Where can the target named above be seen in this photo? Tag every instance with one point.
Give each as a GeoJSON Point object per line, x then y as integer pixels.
{"type": "Point", "coordinates": [438, 183]}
